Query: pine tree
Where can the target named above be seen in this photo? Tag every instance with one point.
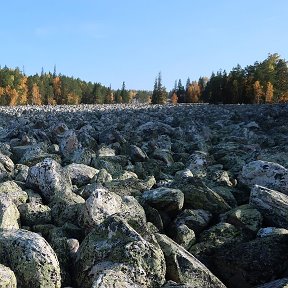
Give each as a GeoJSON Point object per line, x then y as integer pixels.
{"type": "Point", "coordinates": [159, 95]}
{"type": "Point", "coordinates": [124, 93]}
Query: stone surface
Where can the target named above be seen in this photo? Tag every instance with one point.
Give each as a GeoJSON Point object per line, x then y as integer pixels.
{"type": "Point", "coordinates": [245, 217]}
{"type": "Point", "coordinates": [80, 174]}
{"type": "Point", "coordinates": [49, 178]}
{"type": "Point", "coordinates": [103, 203]}
{"type": "Point", "coordinates": [30, 257]}
{"type": "Point", "coordinates": [7, 277]}
{"type": "Point", "coordinates": [114, 249]}
{"type": "Point", "coordinates": [267, 174]}
{"type": "Point", "coordinates": [253, 263]}
{"type": "Point", "coordinates": [272, 204]}
{"type": "Point", "coordinates": [183, 267]}
{"type": "Point", "coordinates": [165, 199]}
{"type": "Point", "coordinates": [13, 192]}
{"type": "Point", "coordinates": [9, 214]}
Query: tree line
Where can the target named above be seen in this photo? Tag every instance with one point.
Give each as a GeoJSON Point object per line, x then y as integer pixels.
{"type": "Point", "coordinates": [262, 82]}
{"type": "Point", "coordinates": [16, 88]}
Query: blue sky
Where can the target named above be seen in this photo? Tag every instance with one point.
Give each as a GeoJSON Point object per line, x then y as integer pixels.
{"type": "Point", "coordinates": [110, 41]}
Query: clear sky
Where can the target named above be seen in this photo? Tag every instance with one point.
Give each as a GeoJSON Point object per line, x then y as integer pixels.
{"type": "Point", "coordinates": [110, 41]}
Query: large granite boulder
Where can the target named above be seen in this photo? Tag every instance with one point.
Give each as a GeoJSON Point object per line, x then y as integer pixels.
{"type": "Point", "coordinates": [165, 199]}
{"type": "Point", "coordinates": [80, 174]}
{"type": "Point", "coordinates": [114, 250]}
{"type": "Point", "coordinates": [198, 196]}
{"type": "Point", "coordinates": [267, 174]}
{"type": "Point", "coordinates": [272, 204]}
{"type": "Point", "coordinates": [30, 257]}
{"type": "Point", "coordinates": [183, 267]}
{"type": "Point", "coordinates": [252, 263]}
{"type": "Point", "coordinates": [103, 203]}
{"type": "Point", "coordinates": [244, 217]}
{"type": "Point", "coordinates": [197, 220]}
{"type": "Point", "coordinates": [49, 178]}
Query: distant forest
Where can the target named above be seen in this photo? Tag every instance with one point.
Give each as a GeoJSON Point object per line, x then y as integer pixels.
{"type": "Point", "coordinates": [263, 82]}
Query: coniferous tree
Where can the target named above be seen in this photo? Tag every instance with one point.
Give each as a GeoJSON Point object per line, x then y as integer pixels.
{"type": "Point", "coordinates": [159, 95]}
{"type": "Point", "coordinates": [124, 93]}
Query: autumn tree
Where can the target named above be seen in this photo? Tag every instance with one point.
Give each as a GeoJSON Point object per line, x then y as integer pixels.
{"type": "Point", "coordinates": [258, 92]}
{"type": "Point", "coordinates": [36, 96]}
{"type": "Point", "coordinates": [269, 93]}
{"type": "Point", "coordinates": [174, 98]}
{"type": "Point", "coordinates": [193, 93]}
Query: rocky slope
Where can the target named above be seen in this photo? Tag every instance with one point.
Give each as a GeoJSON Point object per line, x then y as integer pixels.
{"type": "Point", "coordinates": [144, 196]}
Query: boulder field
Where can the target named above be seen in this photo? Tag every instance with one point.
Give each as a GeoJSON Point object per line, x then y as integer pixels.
{"type": "Point", "coordinates": [144, 196]}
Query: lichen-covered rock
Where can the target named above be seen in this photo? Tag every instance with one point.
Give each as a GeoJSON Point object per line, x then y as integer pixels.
{"type": "Point", "coordinates": [184, 236]}
{"type": "Point", "coordinates": [7, 277]}
{"type": "Point", "coordinates": [197, 220]}
{"type": "Point", "coordinates": [252, 263]}
{"type": "Point", "coordinates": [6, 167]}
{"type": "Point", "coordinates": [30, 257]}
{"type": "Point", "coordinates": [49, 178]}
{"type": "Point", "coordinates": [114, 249]}
{"type": "Point", "coordinates": [9, 214]}
{"type": "Point", "coordinates": [198, 163]}
{"type": "Point", "coordinates": [165, 199]}
{"type": "Point", "coordinates": [183, 267]}
{"type": "Point", "coordinates": [13, 192]}
{"type": "Point", "coordinates": [199, 196]}
{"type": "Point", "coordinates": [136, 154]}
{"type": "Point", "coordinates": [130, 186]}
{"type": "Point", "coordinates": [21, 172]}
{"type": "Point", "coordinates": [103, 176]}
{"type": "Point", "coordinates": [68, 143]}
{"type": "Point", "coordinates": [245, 217]}
{"type": "Point", "coordinates": [103, 203]}
{"type": "Point", "coordinates": [34, 214]}
{"type": "Point", "coordinates": [34, 154]}
{"type": "Point", "coordinates": [80, 174]}
{"type": "Point", "coordinates": [272, 204]}
{"type": "Point", "coordinates": [164, 156]}
{"type": "Point", "coordinates": [66, 208]}
{"type": "Point", "coordinates": [217, 237]}
{"type": "Point", "coordinates": [267, 174]}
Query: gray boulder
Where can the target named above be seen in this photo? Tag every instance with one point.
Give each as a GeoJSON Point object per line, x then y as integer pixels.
{"type": "Point", "coordinates": [165, 199]}
{"type": "Point", "coordinates": [252, 263]}
{"type": "Point", "coordinates": [217, 237]}
{"type": "Point", "coordinates": [9, 214]}
{"type": "Point", "coordinates": [267, 174]}
{"type": "Point", "coordinates": [114, 250]}
{"type": "Point", "coordinates": [6, 167]}
{"type": "Point", "coordinates": [199, 196]}
{"type": "Point", "coordinates": [272, 204]}
{"type": "Point", "coordinates": [183, 267]}
{"type": "Point", "coordinates": [245, 217]}
{"type": "Point", "coordinates": [80, 174]}
{"type": "Point", "coordinates": [197, 220]}
{"type": "Point", "coordinates": [103, 203]}
{"type": "Point", "coordinates": [34, 214]}
{"type": "Point", "coordinates": [49, 178]}
{"type": "Point", "coordinates": [14, 192]}
{"type": "Point", "coordinates": [7, 277]}
{"type": "Point", "coordinates": [30, 257]}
